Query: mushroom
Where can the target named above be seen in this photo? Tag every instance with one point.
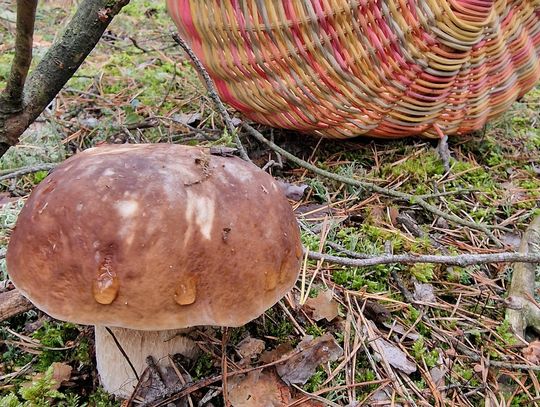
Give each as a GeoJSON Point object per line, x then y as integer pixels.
{"type": "Point", "coordinates": [151, 239]}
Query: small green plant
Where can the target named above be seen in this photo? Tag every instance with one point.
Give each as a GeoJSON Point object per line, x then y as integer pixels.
{"type": "Point", "coordinates": [203, 367]}
{"type": "Point", "coordinates": [505, 332]}
{"type": "Point", "coordinates": [423, 355]}
{"type": "Point", "coordinates": [100, 398]}
{"type": "Point", "coordinates": [315, 381]}
{"type": "Point", "coordinates": [56, 335]}
{"type": "Point", "coordinates": [314, 330]}
{"type": "Point", "coordinates": [40, 393]}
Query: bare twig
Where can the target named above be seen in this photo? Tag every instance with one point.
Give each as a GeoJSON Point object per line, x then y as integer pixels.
{"type": "Point", "coordinates": [372, 187]}
{"type": "Point", "coordinates": [27, 170]}
{"type": "Point", "coordinates": [461, 260]}
{"type": "Point", "coordinates": [224, 386]}
{"type": "Point", "coordinates": [213, 95]}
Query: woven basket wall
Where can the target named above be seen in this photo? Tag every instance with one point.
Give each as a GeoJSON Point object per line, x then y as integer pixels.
{"type": "Point", "coordinates": [386, 68]}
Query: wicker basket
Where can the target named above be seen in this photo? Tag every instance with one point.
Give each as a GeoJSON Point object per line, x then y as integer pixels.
{"type": "Point", "coordinates": [384, 68]}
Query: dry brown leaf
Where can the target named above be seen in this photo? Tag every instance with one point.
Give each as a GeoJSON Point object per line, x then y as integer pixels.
{"type": "Point", "coordinates": [391, 353]}
{"type": "Point", "coordinates": [61, 373]}
{"type": "Point", "coordinates": [532, 352]}
{"type": "Point", "coordinates": [424, 293]}
{"type": "Point", "coordinates": [312, 353]}
{"type": "Point", "coordinates": [322, 306]}
{"type": "Point", "coordinates": [396, 327]}
{"type": "Point", "coordinates": [250, 347]}
{"type": "Point", "coordinates": [258, 389]}
{"type": "Point", "coordinates": [276, 354]}
{"type": "Point", "coordinates": [292, 191]}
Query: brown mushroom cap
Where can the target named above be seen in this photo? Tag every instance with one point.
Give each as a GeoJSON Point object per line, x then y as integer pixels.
{"type": "Point", "coordinates": [155, 237]}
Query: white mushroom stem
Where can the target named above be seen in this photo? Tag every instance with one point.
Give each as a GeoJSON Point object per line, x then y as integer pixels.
{"type": "Point", "coordinates": [116, 374]}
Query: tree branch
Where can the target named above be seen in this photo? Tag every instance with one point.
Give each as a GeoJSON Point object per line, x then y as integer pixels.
{"type": "Point", "coordinates": [372, 187]}
{"type": "Point", "coordinates": [11, 99]}
{"type": "Point", "coordinates": [461, 260]}
{"type": "Point", "coordinates": [58, 65]}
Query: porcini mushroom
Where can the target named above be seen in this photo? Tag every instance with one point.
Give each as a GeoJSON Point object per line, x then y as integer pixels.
{"type": "Point", "coordinates": [150, 239]}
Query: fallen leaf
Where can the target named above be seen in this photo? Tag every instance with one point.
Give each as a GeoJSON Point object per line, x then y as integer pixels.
{"type": "Point", "coordinates": [391, 353]}
{"type": "Point", "coordinates": [323, 306]}
{"type": "Point", "coordinates": [424, 293]}
{"type": "Point", "coordinates": [381, 398]}
{"type": "Point", "coordinates": [291, 191]}
{"type": "Point", "coordinates": [393, 213]}
{"type": "Point", "coordinates": [186, 118]}
{"type": "Point", "coordinates": [250, 347]}
{"type": "Point", "coordinates": [258, 389]}
{"type": "Point", "coordinates": [438, 375]}
{"type": "Point", "coordinates": [511, 240]}
{"type": "Point", "coordinates": [376, 312]}
{"type": "Point", "coordinates": [61, 373]}
{"type": "Point", "coordinates": [276, 354]}
{"type": "Point", "coordinates": [532, 352]}
{"type": "Point", "coordinates": [235, 121]}
{"type": "Point", "coordinates": [403, 331]}
{"type": "Point", "coordinates": [312, 353]}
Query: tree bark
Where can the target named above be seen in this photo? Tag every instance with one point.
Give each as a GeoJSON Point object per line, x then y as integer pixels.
{"type": "Point", "coordinates": [11, 100]}
{"type": "Point", "coordinates": [58, 65]}
{"type": "Point", "coordinates": [13, 303]}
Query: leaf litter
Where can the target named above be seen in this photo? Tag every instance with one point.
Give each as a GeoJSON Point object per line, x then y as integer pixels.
{"type": "Point", "coordinates": [467, 348]}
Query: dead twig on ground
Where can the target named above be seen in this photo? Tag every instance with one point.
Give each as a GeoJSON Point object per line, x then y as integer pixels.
{"type": "Point", "coordinates": [10, 174]}
{"type": "Point", "coordinates": [461, 260]}
{"type": "Point", "coordinates": [403, 196]}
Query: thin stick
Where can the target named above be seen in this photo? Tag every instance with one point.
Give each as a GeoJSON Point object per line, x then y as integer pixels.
{"type": "Point", "coordinates": [27, 170]}
{"type": "Point", "coordinates": [372, 187]}
{"type": "Point", "coordinates": [461, 260]}
{"type": "Point", "coordinates": [123, 352]}
{"type": "Point", "coordinates": [213, 95]}
{"type": "Point", "coordinates": [224, 386]}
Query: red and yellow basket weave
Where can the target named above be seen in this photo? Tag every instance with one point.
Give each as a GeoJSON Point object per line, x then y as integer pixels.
{"type": "Point", "coordinates": [385, 68]}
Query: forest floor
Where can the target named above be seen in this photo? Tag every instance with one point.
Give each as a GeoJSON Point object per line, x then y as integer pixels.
{"type": "Point", "coordinates": [397, 334]}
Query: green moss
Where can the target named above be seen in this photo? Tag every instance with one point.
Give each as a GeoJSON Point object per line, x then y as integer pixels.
{"type": "Point", "coordinates": [57, 335]}
{"type": "Point", "coordinates": [203, 366]}
{"type": "Point", "coordinates": [422, 168]}
{"type": "Point", "coordinates": [423, 272]}
{"type": "Point", "coordinates": [423, 355]}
